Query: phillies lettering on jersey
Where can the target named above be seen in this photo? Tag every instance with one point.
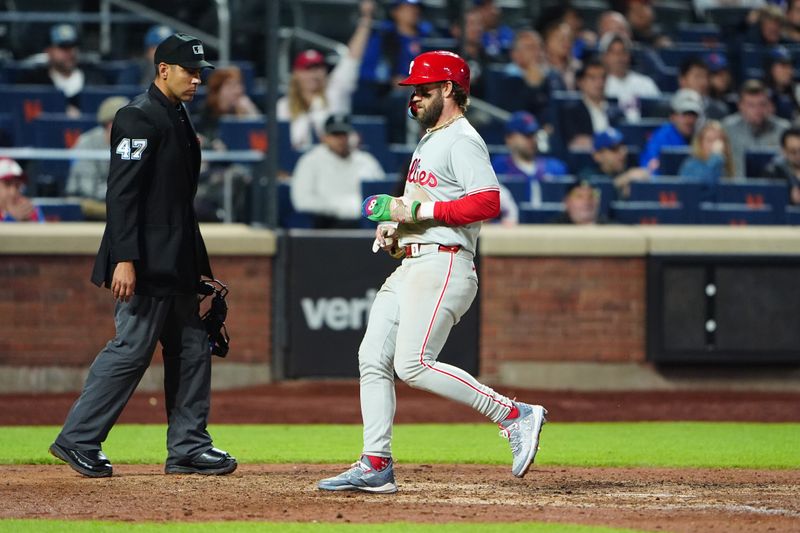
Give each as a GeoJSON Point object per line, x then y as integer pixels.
{"type": "Point", "coordinates": [423, 178]}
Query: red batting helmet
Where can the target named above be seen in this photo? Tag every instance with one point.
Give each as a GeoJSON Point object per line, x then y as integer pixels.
{"type": "Point", "coordinates": [438, 65]}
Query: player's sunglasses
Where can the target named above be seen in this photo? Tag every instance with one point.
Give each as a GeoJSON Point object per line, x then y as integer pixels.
{"type": "Point", "coordinates": [425, 91]}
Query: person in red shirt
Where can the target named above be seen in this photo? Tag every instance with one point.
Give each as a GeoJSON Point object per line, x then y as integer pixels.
{"type": "Point", "coordinates": [14, 206]}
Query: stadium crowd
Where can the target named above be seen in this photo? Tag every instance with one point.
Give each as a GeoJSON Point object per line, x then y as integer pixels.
{"type": "Point", "coordinates": [648, 112]}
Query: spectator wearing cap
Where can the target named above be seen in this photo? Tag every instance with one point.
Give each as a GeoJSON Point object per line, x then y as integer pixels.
{"type": "Point", "coordinates": [62, 69]}
{"type": "Point", "coordinates": [720, 86]}
{"type": "Point", "coordinates": [779, 78]}
{"type": "Point", "coordinates": [610, 161]}
{"type": "Point", "coordinates": [581, 205]}
{"type": "Point", "coordinates": [14, 205]}
{"type": "Point", "coordinates": [754, 125]}
{"type": "Point", "coordinates": [88, 178]}
{"type": "Point", "coordinates": [593, 113]}
{"type": "Point", "coordinates": [711, 158]}
{"type": "Point", "coordinates": [529, 78]}
{"type": "Point", "coordinates": [327, 179]}
{"type": "Point", "coordinates": [693, 74]}
{"type": "Point", "coordinates": [622, 83]}
{"type": "Point", "coordinates": [786, 165]}
{"type": "Point", "coordinates": [314, 94]}
{"type": "Point", "coordinates": [522, 158]}
{"type": "Point", "coordinates": [687, 108]}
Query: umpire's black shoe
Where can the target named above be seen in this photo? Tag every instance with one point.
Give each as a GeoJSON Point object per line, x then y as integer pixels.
{"type": "Point", "coordinates": [212, 462]}
{"type": "Point", "coordinates": [91, 463]}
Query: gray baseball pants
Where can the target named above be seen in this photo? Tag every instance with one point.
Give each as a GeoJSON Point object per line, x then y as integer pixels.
{"type": "Point", "coordinates": [409, 322]}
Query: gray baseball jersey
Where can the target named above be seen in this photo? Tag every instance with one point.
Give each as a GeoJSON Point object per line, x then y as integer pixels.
{"type": "Point", "coordinates": [448, 164]}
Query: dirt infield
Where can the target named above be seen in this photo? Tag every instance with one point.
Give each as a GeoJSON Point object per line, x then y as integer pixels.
{"type": "Point", "coordinates": [649, 499]}
{"type": "Point", "coordinates": [663, 499]}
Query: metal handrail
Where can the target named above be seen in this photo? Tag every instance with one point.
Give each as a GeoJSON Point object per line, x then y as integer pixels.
{"type": "Point", "coordinates": [64, 154]}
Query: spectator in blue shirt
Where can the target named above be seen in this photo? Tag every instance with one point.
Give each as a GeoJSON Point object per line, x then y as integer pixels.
{"type": "Point", "coordinates": [523, 158]}
{"type": "Point", "coordinates": [394, 44]}
{"type": "Point", "coordinates": [687, 107]}
{"type": "Point", "coordinates": [497, 37]}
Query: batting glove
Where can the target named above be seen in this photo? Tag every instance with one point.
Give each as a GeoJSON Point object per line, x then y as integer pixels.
{"type": "Point", "coordinates": [385, 208]}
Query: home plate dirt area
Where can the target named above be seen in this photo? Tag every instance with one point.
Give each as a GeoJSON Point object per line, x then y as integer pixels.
{"type": "Point", "coordinates": [653, 499]}
{"type": "Point", "coordinates": [648, 499]}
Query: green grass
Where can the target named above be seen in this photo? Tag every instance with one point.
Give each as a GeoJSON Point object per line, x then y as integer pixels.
{"type": "Point", "coordinates": [658, 444]}
{"type": "Point", "coordinates": [272, 527]}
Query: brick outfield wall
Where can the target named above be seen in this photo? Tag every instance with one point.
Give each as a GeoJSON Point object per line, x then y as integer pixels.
{"type": "Point", "coordinates": [52, 315]}
{"type": "Point", "coordinates": [561, 309]}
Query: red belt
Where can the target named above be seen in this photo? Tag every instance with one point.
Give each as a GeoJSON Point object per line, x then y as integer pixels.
{"type": "Point", "coordinates": [412, 250]}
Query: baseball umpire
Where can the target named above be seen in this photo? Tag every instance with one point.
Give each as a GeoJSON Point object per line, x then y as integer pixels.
{"type": "Point", "coordinates": [152, 257]}
{"type": "Point", "coordinates": [450, 189]}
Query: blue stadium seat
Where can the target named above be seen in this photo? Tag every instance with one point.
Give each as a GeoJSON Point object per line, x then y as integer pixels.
{"type": "Point", "coordinates": [250, 134]}
{"type": "Point", "coordinates": [372, 187]}
{"type": "Point", "coordinates": [6, 129]}
{"type": "Point", "coordinates": [287, 155]}
{"type": "Point", "coordinates": [648, 213]}
{"type": "Point", "coordinates": [670, 191]}
{"type": "Point", "coordinates": [699, 33]}
{"type": "Point", "coordinates": [727, 17]}
{"type": "Point", "coordinates": [608, 193]}
{"type": "Point", "coordinates": [498, 89]}
{"type": "Point", "coordinates": [639, 133]}
{"type": "Point", "coordinates": [544, 213]}
{"type": "Point", "coordinates": [793, 215]}
{"type": "Point", "coordinates": [671, 158]}
{"type": "Point", "coordinates": [518, 186]}
{"type": "Point", "coordinates": [26, 102]}
{"type": "Point", "coordinates": [755, 193]}
{"type": "Point", "coordinates": [553, 190]}
{"type": "Point", "coordinates": [756, 160]}
{"type": "Point", "coordinates": [287, 216]}
{"type": "Point", "coordinates": [122, 71]}
{"type": "Point", "coordinates": [655, 106]}
{"type": "Point", "coordinates": [373, 133]}
{"type": "Point", "coordinates": [399, 157]}
{"type": "Point", "coordinates": [675, 55]}
{"type": "Point", "coordinates": [243, 133]}
{"type": "Point", "coordinates": [91, 97]}
{"type": "Point", "coordinates": [57, 130]}
{"type": "Point", "coordinates": [59, 210]}
{"type": "Point", "coordinates": [738, 214]}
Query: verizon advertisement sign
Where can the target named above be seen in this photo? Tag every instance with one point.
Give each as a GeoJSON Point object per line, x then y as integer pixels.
{"type": "Point", "coordinates": [333, 279]}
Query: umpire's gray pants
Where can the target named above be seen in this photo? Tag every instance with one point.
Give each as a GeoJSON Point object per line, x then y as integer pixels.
{"type": "Point", "coordinates": [118, 368]}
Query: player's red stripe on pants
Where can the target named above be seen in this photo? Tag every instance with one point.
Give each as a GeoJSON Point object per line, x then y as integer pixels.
{"type": "Point", "coordinates": [428, 334]}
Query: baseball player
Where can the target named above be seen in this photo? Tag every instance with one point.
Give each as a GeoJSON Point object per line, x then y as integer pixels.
{"type": "Point", "coordinates": [450, 188]}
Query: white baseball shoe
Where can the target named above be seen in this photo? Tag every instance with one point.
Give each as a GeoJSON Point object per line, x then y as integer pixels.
{"type": "Point", "coordinates": [523, 435]}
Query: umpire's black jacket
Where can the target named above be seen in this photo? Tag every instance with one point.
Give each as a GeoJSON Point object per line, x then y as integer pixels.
{"type": "Point", "coordinates": [155, 163]}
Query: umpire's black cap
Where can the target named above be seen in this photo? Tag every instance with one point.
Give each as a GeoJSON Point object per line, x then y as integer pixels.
{"type": "Point", "coordinates": [181, 49]}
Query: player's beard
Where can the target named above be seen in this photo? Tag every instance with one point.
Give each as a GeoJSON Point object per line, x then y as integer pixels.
{"type": "Point", "coordinates": [430, 115]}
